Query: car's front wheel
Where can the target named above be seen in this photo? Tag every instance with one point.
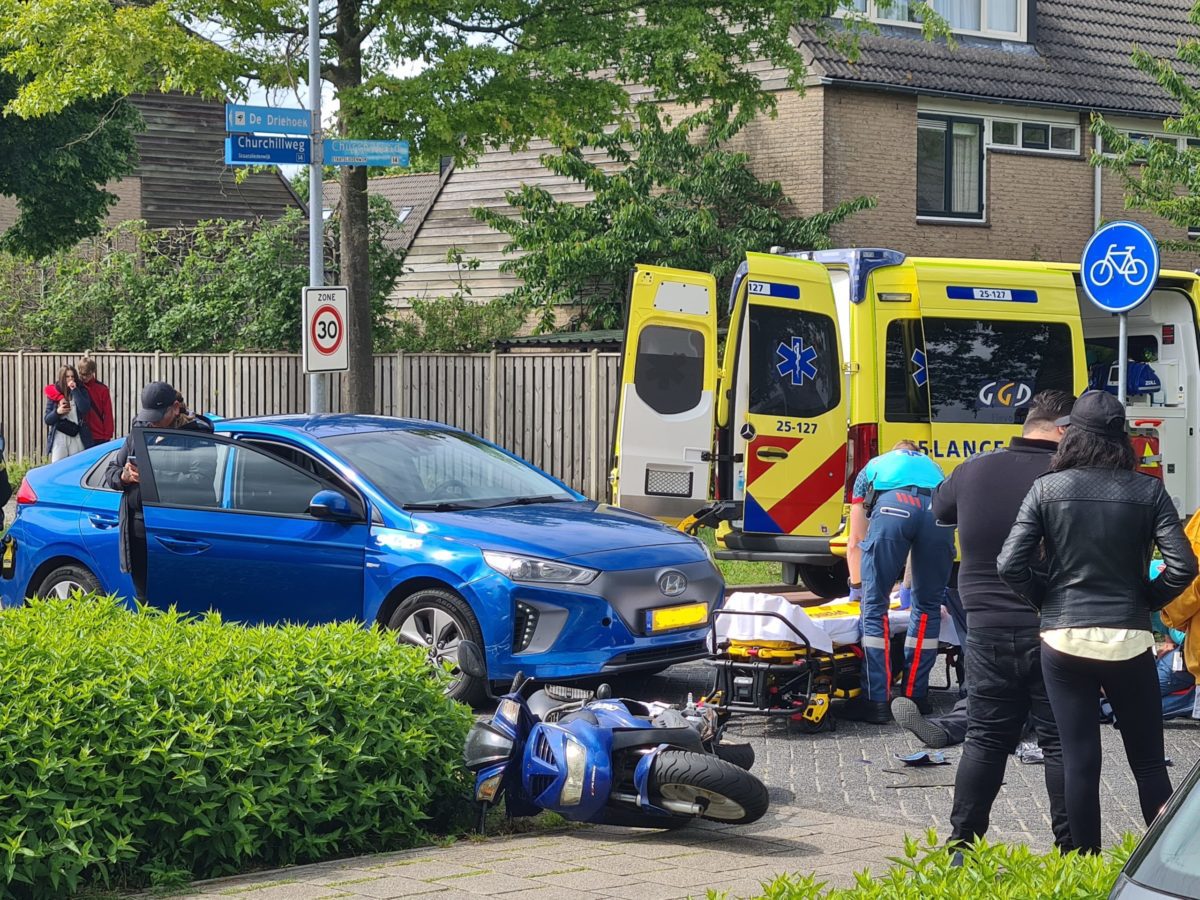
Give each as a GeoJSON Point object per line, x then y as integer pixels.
{"type": "Point", "coordinates": [66, 580]}
{"type": "Point", "coordinates": [437, 621]}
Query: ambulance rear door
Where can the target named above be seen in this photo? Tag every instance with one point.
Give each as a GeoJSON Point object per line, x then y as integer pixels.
{"type": "Point", "coordinates": [664, 430]}
{"type": "Point", "coordinates": [792, 423]}
{"type": "Point", "coordinates": [996, 333]}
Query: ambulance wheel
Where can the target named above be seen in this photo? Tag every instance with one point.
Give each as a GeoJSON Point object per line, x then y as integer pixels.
{"type": "Point", "coordinates": [827, 582]}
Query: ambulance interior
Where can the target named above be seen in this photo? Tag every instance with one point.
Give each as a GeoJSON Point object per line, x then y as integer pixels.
{"type": "Point", "coordinates": [1161, 334]}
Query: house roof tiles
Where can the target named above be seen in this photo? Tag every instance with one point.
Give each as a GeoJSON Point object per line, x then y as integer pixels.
{"type": "Point", "coordinates": [1079, 56]}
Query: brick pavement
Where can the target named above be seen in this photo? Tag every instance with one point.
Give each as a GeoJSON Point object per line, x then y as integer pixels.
{"type": "Point", "coordinates": [594, 862]}
{"type": "Point", "coordinates": [840, 803]}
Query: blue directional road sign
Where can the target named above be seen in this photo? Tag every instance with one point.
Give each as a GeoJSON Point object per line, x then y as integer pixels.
{"type": "Point", "coordinates": [366, 153]}
{"type": "Point", "coordinates": [267, 120]}
{"type": "Point", "coordinates": [1120, 266]}
{"type": "Point", "coordinates": [253, 150]}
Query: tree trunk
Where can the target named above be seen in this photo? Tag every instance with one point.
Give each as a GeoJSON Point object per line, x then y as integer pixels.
{"type": "Point", "coordinates": [358, 385]}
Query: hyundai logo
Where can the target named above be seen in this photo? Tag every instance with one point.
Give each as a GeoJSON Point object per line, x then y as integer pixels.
{"type": "Point", "coordinates": [672, 583]}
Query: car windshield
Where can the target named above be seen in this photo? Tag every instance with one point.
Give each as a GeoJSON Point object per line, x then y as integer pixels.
{"type": "Point", "coordinates": [1171, 862]}
{"type": "Point", "coordinates": [428, 468]}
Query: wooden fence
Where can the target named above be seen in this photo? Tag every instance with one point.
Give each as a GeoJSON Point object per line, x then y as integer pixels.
{"type": "Point", "coordinates": [554, 409]}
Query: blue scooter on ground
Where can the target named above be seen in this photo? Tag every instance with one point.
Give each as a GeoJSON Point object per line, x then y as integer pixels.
{"type": "Point", "coordinates": [592, 758]}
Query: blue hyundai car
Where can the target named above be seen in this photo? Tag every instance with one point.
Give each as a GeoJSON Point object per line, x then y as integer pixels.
{"type": "Point", "coordinates": [420, 528]}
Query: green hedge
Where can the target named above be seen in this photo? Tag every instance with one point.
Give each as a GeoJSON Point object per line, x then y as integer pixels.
{"type": "Point", "coordinates": [144, 748]}
{"type": "Point", "coordinates": [998, 872]}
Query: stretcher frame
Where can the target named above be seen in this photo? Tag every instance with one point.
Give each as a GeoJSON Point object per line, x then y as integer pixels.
{"type": "Point", "coordinates": [797, 678]}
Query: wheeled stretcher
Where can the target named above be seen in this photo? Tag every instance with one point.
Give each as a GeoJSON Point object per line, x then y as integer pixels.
{"type": "Point", "coordinates": [773, 657]}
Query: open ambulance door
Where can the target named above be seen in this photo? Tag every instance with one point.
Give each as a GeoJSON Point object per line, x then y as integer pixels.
{"type": "Point", "coordinates": [792, 422]}
{"type": "Point", "coordinates": [664, 431]}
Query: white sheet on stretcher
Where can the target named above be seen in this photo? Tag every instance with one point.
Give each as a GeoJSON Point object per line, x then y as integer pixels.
{"type": "Point", "coordinates": [833, 623]}
{"type": "Point", "coordinates": [767, 628]}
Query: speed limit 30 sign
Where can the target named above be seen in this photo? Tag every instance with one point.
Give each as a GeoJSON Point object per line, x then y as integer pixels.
{"type": "Point", "coordinates": [325, 329]}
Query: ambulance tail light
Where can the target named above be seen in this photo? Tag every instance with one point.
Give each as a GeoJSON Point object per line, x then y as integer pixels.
{"type": "Point", "coordinates": [862, 444]}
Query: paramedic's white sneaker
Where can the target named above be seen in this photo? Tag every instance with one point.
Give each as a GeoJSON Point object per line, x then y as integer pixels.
{"type": "Point", "coordinates": [908, 716]}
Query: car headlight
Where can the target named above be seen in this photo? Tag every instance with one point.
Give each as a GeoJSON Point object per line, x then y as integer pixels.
{"type": "Point", "coordinates": [572, 789]}
{"type": "Point", "coordinates": [532, 570]}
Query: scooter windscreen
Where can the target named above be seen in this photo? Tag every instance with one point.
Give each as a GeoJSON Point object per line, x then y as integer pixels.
{"type": "Point", "coordinates": [486, 745]}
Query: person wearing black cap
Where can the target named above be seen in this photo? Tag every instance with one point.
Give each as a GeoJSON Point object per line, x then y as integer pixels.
{"type": "Point", "coordinates": [159, 408]}
{"type": "Point", "coordinates": [1098, 520]}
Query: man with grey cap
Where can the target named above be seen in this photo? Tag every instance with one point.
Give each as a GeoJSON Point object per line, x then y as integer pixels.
{"type": "Point", "coordinates": [159, 408]}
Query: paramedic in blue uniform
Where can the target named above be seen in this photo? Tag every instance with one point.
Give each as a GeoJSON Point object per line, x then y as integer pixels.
{"type": "Point", "coordinates": [896, 491]}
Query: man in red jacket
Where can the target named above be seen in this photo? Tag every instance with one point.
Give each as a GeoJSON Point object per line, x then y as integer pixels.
{"type": "Point", "coordinates": [100, 418]}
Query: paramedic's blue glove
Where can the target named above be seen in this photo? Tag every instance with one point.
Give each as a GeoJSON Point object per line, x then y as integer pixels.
{"type": "Point", "coordinates": [856, 593]}
{"type": "Point", "coordinates": [905, 597]}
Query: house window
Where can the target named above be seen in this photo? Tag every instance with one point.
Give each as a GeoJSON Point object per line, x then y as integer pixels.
{"type": "Point", "coordinates": [994, 18]}
{"type": "Point", "coordinates": [1037, 136]}
{"type": "Point", "coordinates": [1004, 134]}
{"type": "Point", "coordinates": [404, 213]}
{"type": "Point", "coordinates": [950, 167]}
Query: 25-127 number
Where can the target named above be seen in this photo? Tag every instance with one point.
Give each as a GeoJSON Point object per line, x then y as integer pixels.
{"type": "Point", "coordinates": [782, 426]}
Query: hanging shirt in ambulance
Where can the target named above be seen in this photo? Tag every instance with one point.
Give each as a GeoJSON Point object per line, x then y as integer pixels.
{"type": "Point", "coordinates": [897, 469]}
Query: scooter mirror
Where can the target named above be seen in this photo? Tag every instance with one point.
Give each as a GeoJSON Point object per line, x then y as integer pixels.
{"type": "Point", "coordinates": [604, 692]}
{"type": "Point", "coordinates": [470, 659]}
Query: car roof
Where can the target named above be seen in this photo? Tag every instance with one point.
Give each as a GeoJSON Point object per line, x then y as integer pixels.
{"type": "Point", "coordinates": [326, 425]}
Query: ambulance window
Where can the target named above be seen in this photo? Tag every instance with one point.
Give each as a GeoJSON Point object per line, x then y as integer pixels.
{"type": "Point", "coordinates": [986, 372]}
{"type": "Point", "coordinates": [669, 371]}
{"type": "Point", "coordinates": [905, 396]}
{"type": "Point", "coordinates": [794, 363]}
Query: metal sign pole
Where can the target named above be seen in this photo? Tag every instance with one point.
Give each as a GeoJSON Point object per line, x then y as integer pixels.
{"type": "Point", "coordinates": [317, 400]}
{"type": "Point", "coordinates": [1123, 357]}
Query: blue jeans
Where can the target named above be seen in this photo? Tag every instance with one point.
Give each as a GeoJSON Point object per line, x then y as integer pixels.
{"type": "Point", "coordinates": [1178, 689]}
{"type": "Point", "coordinates": [902, 522]}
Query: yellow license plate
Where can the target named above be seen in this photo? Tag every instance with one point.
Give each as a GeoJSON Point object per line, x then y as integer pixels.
{"type": "Point", "coordinates": [676, 616]}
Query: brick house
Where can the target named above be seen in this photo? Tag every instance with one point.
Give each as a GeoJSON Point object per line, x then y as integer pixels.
{"type": "Point", "coordinates": [181, 177]}
{"type": "Point", "coordinates": [976, 150]}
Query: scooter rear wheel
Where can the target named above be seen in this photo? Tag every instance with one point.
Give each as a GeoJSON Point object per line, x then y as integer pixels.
{"type": "Point", "coordinates": [724, 792]}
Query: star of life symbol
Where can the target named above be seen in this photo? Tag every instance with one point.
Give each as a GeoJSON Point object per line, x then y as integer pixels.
{"type": "Point", "coordinates": [797, 361]}
{"type": "Point", "coordinates": [920, 373]}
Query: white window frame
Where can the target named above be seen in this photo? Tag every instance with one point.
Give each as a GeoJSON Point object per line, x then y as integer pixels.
{"type": "Point", "coordinates": [1021, 122]}
{"type": "Point", "coordinates": [876, 13]}
{"type": "Point", "coordinates": [1151, 129]}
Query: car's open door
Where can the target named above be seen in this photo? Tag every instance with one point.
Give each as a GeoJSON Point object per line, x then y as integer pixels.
{"type": "Point", "coordinates": [664, 431]}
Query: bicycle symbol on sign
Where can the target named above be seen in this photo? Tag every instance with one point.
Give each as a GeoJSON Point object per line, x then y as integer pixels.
{"type": "Point", "coordinates": [1123, 263]}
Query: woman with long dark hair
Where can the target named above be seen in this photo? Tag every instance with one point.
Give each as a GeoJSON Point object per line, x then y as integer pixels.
{"type": "Point", "coordinates": [1096, 521]}
{"type": "Point", "coordinates": [67, 406]}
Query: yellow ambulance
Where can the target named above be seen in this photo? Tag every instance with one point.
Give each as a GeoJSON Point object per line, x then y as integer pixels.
{"type": "Point", "coordinates": [831, 356]}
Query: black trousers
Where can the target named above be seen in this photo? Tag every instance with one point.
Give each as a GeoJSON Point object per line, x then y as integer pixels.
{"type": "Point", "coordinates": [1131, 685]}
{"type": "Point", "coordinates": [1005, 689]}
{"type": "Point", "coordinates": [138, 557]}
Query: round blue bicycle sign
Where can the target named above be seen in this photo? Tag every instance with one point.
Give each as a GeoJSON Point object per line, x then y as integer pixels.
{"type": "Point", "coordinates": [1119, 266]}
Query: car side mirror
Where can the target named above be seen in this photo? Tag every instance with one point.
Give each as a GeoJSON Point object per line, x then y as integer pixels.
{"type": "Point", "coordinates": [470, 659]}
{"type": "Point", "coordinates": [331, 505]}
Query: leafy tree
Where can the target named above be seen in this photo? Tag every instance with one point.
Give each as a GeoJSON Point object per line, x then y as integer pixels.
{"type": "Point", "coordinates": [56, 166]}
{"type": "Point", "coordinates": [221, 286]}
{"type": "Point", "coordinates": [679, 198]}
{"type": "Point", "coordinates": [453, 77]}
{"type": "Point", "coordinates": [1158, 176]}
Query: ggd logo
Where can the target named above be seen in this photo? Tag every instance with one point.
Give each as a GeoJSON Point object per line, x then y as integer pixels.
{"type": "Point", "coordinates": [1005, 394]}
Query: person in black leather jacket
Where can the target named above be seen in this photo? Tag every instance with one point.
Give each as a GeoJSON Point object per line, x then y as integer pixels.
{"type": "Point", "coordinates": [1080, 551]}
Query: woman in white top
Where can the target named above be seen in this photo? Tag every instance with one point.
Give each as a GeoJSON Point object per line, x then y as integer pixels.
{"type": "Point", "coordinates": [67, 405]}
{"type": "Point", "coordinates": [1080, 550]}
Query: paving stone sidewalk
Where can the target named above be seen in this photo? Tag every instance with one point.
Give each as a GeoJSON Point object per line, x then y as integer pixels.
{"type": "Point", "coordinates": [594, 862]}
